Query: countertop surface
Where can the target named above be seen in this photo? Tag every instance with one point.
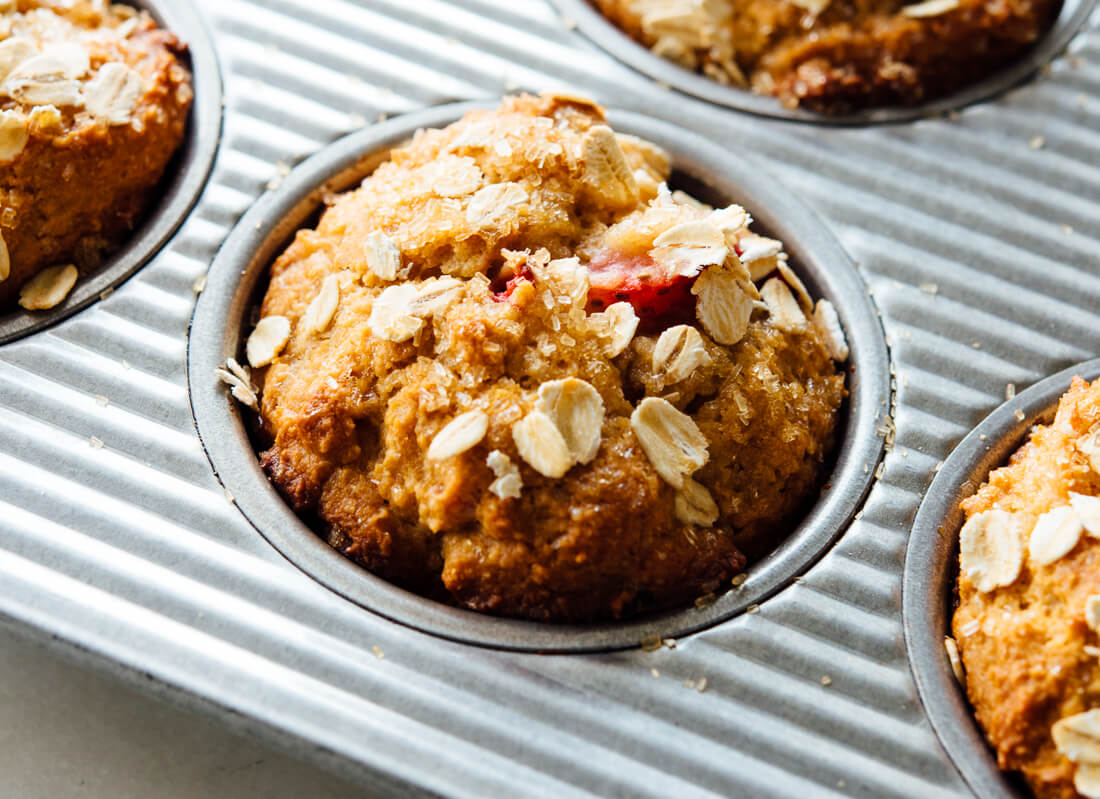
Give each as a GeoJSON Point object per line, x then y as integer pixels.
{"type": "Point", "coordinates": [66, 731]}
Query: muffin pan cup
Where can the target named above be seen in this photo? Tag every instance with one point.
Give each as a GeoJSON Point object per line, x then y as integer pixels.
{"type": "Point", "coordinates": [221, 322]}
{"type": "Point", "coordinates": [931, 567]}
{"type": "Point", "coordinates": [609, 37]}
{"type": "Point", "coordinates": [183, 181]}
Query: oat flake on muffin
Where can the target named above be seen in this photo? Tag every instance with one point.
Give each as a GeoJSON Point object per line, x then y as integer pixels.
{"type": "Point", "coordinates": [543, 385]}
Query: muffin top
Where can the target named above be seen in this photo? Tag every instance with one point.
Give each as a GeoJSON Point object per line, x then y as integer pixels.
{"type": "Point", "coordinates": [838, 55]}
{"type": "Point", "coordinates": [1029, 602]}
{"type": "Point", "coordinates": [513, 370]}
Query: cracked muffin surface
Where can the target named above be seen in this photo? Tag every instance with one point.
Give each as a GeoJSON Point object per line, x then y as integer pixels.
{"type": "Point", "coordinates": [1028, 616]}
{"type": "Point", "coordinates": [94, 100]}
{"type": "Point", "coordinates": [513, 371]}
{"type": "Point", "coordinates": [838, 56]}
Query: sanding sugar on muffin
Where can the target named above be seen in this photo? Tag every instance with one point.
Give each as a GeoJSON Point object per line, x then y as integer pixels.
{"type": "Point", "coordinates": [94, 101]}
{"type": "Point", "coordinates": [1027, 624]}
{"type": "Point", "coordinates": [514, 371]}
{"type": "Point", "coordinates": [838, 56]}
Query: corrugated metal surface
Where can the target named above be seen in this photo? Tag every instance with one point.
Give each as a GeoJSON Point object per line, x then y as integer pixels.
{"type": "Point", "coordinates": [131, 551]}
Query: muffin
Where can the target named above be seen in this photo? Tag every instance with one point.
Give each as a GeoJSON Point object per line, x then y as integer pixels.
{"type": "Point", "coordinates": [514, 372]}
{"type": "Point", "coordinates": [838, 56]}
{"type": "Point", "coordinates": [93, 104]}
{"type": "Point", "coordinates": [1029, 603]}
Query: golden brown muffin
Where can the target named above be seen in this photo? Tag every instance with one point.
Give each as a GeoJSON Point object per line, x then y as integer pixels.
{"type": "Point", "coordinates": [521, 375]}
{"type": "Point", "coordinates": [93, 104]}
{"type": "Point", "coordinates": [838, 56]}
{"type": "Point", "coordinates": [1029, 603]}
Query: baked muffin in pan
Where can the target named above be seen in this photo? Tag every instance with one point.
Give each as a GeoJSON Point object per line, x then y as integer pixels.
{"type": "Point", "coordinates": [1028, 615]}
{"type": "Point", "coordinates": [838, 56]}
{"type": "Point", "coordinates": [512, 370]}
{"type": "Point", "coordinates": [94, 101]}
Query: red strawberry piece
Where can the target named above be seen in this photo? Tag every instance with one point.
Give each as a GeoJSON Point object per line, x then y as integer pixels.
{"type": "Point", "coordinates": [660, 300]}
{"type": "Point", "coordinates": [504, 293]}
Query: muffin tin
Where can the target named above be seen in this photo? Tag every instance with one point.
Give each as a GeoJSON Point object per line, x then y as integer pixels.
{"type": "Point", "coordinates": [183, 180]}
{"type": "Point", "coordinates": [222, 322]}
{"type": "Point", "coordinates": [976, 236]}
{"type": "Point", "coordinates": [931, 568]}
{"type": "Point", "coordinates": [585, 15]}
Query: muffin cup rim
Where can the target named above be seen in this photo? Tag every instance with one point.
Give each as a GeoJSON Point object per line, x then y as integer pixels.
{"type": "Point", "coordinates": [214, 336]}
{"type": "Point", "coordinates": [929, 573]}
{"type": "Point", "coordinates": [191, 167]}
{"type": "Point", "coordinates": [610, 39]}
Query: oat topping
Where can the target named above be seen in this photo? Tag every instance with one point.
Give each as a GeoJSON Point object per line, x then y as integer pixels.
{"type": "Point", "coordinates": [725, 307]}
{"type": "Point", "coordinates": [617, 325]}
{"type": "Point", "coordinates": [48, 288]}
{"type": "Point", "coordinates": [382, 255]}
{"type": "Point", "coordinates": [13, 135]}
{"type": "Point", "coordinates": [827, 322]}
{"type": "Point", "coordinates": [322, 308]}
{"type": "Point", "coordinates": [930, 8]}
{"type": "Point", "coordinates": [953, 658]}
{"type": "Point", "coordinates": [679, 352]}
{"type": "Point", "coordinates": [463, 432]}
{"type": "Point", "coordinates": [785, 310]}
{"type": "Point", "coordinates": [990, 550]}
{"type": "Point", "coordinates": [1086, 779]}
{"type": "Point", "coordinates": [268, 339]}
{"type": "Point", "coordinates": [435, 295]}
{"type": "Point", "coordinates": [494, 201]}
{"type": "Point", "coordinates": [113, 93]}
{"type": "Point", "coordinates": [1092, 612]}
{"type": "Point", "coordinates": [797, 286]}
{"type": "Point", "coordinates": [1078, 737]}
{"type": "Point", "coordinates": [239, 380]}
{"type": "Point", "coordinates": [452, 176]}
{"type": "Point", "coordinates": [671, 440]}
{"type": "Point", "coordinates": [1056, 532]}
{"type": "Point", "coordinates": [389, 314]}
{"type": "Point", "coordinates": [576, 410]}
{"type": "Point", "coordinates": [606, 170]}
{"type": "Point", "coordinates": [508, 483]}
{"type": "Point", "coordinates": [1089, 446]}
{"type": "Point", "coordinates": [695, 505]}
{"type": "Point", "coordinates": [542, 445]}
{"type": "Point", "coordinates": [5, 260]}
{"type": "Point", "coordinates": [1088, 511]}
{"type": "Point", "coordinates": [688, 247]}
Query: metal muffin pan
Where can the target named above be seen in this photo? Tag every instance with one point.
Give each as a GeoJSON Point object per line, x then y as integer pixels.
{"type": "Point", "coordinates": [976, 234]}
{"type": "Point", "coordinates": [931, 568]}
{"type": "Point", "coordinates": [183, 181]}
{"type": "Point", "coordinates": [607, 35]}
{"type": "Point", "coordinates": [222, 322]}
